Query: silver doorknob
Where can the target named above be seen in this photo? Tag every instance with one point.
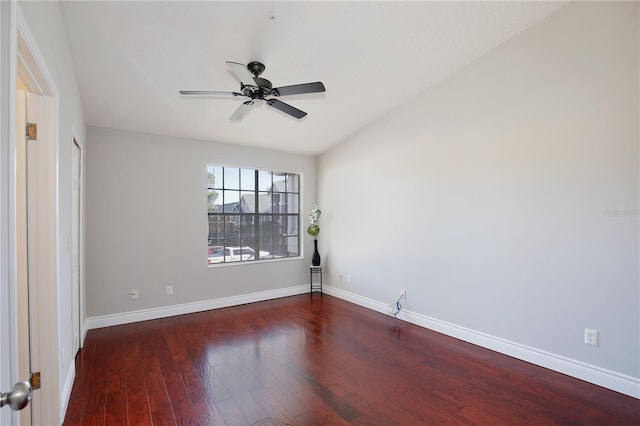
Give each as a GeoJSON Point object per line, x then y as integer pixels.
{"type": "Point", "coordinates": [19, 396]}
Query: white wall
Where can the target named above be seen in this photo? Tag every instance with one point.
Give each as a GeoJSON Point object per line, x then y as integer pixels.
{"type": "Point", "coordinates": [147, 222]}
{"type": "Point", "coordinates": [505, 199]}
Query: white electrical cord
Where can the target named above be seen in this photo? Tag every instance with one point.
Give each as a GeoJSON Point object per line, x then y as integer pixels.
{"type": "Point", "coordinates": [395, 310]}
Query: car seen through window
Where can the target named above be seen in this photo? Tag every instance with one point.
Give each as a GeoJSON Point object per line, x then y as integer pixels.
{"type": "Point", "coordinates": [220, 254]}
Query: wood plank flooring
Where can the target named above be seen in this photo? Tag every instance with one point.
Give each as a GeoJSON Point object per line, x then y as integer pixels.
{"type": "Point", "coordinates": [318, 360]}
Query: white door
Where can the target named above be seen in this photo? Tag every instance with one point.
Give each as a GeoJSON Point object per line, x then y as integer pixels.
{"type": "Point", "coordinates": [28, 256]}
{"type": "Point", "coordinates": [40, 251]}
{"type": "Point", "coordinates": [18, 261]}
{"type": "Point", "coordinates": [22, 274]}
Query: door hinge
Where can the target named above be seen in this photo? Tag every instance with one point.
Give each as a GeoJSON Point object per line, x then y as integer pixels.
{"type": "Point", "coordinates": [32, 131]}
{"type": "Point", "coordinates": [35, 380]}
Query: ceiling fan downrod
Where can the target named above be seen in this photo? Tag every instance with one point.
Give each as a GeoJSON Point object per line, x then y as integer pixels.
{"type": "Point", "coordinates": [256, 68]}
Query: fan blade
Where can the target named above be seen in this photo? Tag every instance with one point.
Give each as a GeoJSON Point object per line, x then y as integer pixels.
{"type": "Point", "coordinates": [243, 74]}
{"type": "Point", "coordinates": [286, 108]}
{"type": "Point", "coordinates": [208, 93]}
{"type": "Point", "coordinates": [242, 111]}
{"type": "Point", "coordinates": [298, 89]}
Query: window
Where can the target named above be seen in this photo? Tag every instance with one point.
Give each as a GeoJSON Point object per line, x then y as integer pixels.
{"type": "Point", "coordinates": [253, 214]}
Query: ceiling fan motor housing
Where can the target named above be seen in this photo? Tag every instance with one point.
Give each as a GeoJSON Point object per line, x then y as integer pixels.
{"type": "Point", "coordinates": [262, 88]}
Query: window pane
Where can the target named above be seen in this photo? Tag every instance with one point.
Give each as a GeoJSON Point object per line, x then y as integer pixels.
{"type": "Point", "coordinates": [279, 225]}
{"type": "Point", "coordinates": [216, 230]}
{"type": "Point", "coordinates": [293, 246]}
{"type": "Point", "coordinates": [210, 177]}
{"type": "Point", "coordinates": [266, 225]}
{"type": "Point", "coordinates": [232, 254]}
{"type": "Point", "coordinates": [292, 225]}
{"type": "Point", "coordinates": [247, 230]}
{"type": "Point", "coordinates": [266, 248]}
{"type": "Point", "coordinates": [247, 253]}
{"type": "Point", "coordinates": [214, 177]}
{"type": "Point", "coordinates": [292, 203]}
{"type": "Point", "coordinates": [279, 247]}
{"type": "Point", "coordinates": [214, 201]}
{"type": "Point", "coordinates": [293, 182]}
{"type": "Point", "coordinates": [232, 230]}
{"type": "Point", "coordinates": [231, 201]}
{"type": "Point", "coordinates": [264, 180]}
{"type": "Point", "coordinates": [231, 178]}
{"type": "Point", "coordinates": [277, 205]}
{"type": "Point", "coordinates": [247, 202]}
{"type": "Point", "coordinates": [264, 202]}
{"type": "Point", "coordinates": [248, 179]}
{"type": "Point", "coordinates": [279, 182]}
{"type": "Point", "coordinates": [249, 246]}
{"type": "Point", "coordinates": [215, 253]}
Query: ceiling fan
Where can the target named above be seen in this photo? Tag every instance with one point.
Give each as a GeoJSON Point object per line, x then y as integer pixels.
{"type": "Point", "coordinates": [256, 89]}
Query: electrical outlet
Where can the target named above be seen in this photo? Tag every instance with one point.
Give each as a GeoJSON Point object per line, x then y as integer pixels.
{"type": "Point", "coordinates": [349, 278]}
{"type": "Point", "coordinates": [169, 290]}
{"type": "Point", "coordinates": [403, 294]}
{"type": "Point", "coordinates": [591, 337]}
{"type": "Point", "coordinates": [134, 293]}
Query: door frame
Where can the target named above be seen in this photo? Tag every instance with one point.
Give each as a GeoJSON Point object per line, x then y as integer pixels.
{"type": "Point", "coordinates": [77, 242]}
{"type": "Point", "coordinates": [8, 332]}
{"type": "Point", "coordinates": [21, 57]}
{"type": "Point", "coordinates": [44, 281]}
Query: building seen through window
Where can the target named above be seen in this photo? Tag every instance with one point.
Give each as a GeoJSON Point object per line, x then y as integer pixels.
{"type": "Point", "coordinates": [253, 214]}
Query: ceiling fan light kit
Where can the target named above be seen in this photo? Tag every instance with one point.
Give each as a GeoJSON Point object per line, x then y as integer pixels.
{"type": "Point", "coordinates": [256, 88]}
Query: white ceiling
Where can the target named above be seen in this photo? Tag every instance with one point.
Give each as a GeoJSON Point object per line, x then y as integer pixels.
{"type": "Point", "coordinates": [132, 57]}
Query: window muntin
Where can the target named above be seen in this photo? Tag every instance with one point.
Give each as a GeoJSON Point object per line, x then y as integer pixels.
{"type": "Point", "coordinates": [253, 214]}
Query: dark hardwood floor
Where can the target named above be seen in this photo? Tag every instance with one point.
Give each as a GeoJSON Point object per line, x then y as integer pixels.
{"type": "Point", "coordinates": [318, 360]}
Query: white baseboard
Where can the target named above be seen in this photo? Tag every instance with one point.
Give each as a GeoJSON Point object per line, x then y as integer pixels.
{"type": "Point", "coordinates": [84, 333]}
{"type": "Point", "coordinates": [606, 378]}
{"type": "Point", "coordinates": [622, 383]}
{"type": "Point", "coordinates": [66, 391]}
{"type": "Point", "coordinates": [188, 308]}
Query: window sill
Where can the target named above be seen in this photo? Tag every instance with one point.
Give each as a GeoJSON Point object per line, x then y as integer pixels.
{"type": "Point", "coordinates": [253, 262]}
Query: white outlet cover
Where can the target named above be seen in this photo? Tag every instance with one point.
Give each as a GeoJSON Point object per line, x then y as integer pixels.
{"type": "Point", "coordinates": [591, 337]}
